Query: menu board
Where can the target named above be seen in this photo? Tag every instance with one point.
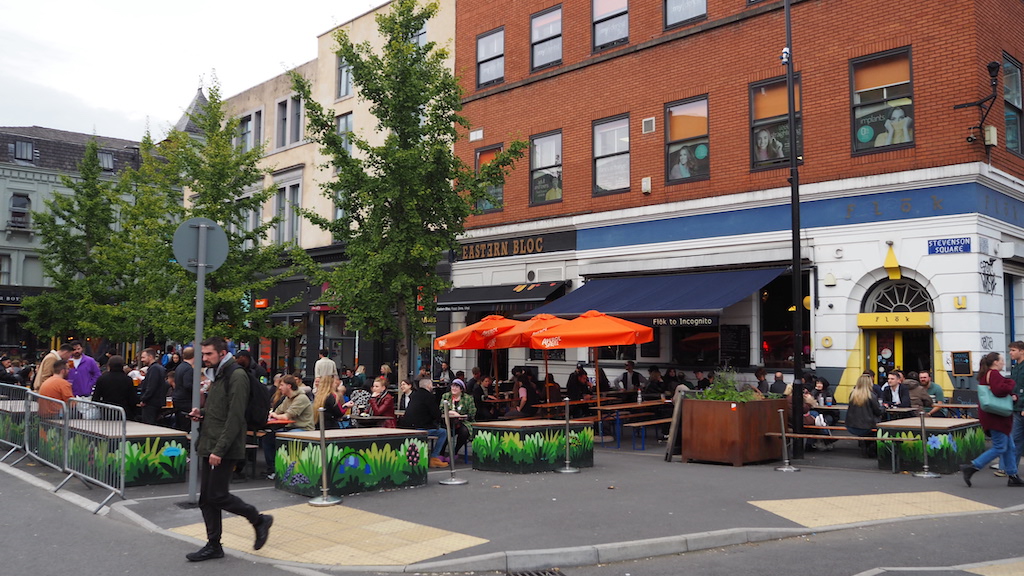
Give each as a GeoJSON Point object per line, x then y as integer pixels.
{"type": "Point", "coordinates": [734, 345]}
{"type": "Point", "coordinates": [962, 364]}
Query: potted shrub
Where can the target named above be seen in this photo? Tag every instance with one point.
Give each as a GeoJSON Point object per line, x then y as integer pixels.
{"type": "Point", "coordinates": [727, 423]}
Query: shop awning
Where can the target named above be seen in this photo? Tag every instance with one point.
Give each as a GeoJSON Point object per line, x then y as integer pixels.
{"type": "Point", "coordinates": [487, 298]}
{"type": "Point", "coordinates": [658, 296]}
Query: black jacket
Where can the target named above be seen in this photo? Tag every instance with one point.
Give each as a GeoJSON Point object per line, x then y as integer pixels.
{"type": "Point", "coordinates": [904, 400]}
{"type": "Point", "coordinates": [423, 412]}
{"type": "Point", "coordinates": [118, 389]}
{"type": "Point", "coordinates": [864, 416]}
{"type": "Point", "coordinates": [154, 387]}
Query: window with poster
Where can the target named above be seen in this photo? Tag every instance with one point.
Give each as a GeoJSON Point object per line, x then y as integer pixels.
{"type": "Point", "coordinates": [883, 102]}
{"type": "Point", "coordinates": [769, 136]}
{"type": "Point", "coordinates": [686, 146]}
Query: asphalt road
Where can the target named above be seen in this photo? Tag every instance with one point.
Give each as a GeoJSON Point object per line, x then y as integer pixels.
{"type": "Point", "coordinates": [43, 535]}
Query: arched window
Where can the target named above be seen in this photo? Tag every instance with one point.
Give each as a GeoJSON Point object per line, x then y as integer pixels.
{"type": "Point", "coordinates": [898, 296]}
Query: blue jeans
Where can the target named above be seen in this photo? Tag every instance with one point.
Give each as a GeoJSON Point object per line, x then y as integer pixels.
{"type": "Point", "coordinates": [442, 436]}
{"type": "Point", "coordinates": [1002, 447]}
{"type": "Point", "coordinates": [1018, 435]}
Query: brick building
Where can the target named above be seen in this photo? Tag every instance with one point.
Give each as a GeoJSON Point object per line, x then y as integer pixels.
{"type": "Point", "coordinates": [657, 179]}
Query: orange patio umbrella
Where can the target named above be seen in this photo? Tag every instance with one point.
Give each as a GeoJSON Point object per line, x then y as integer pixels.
{"type": "Point", "coordinates": [519, 337]}
{"type": "Point", "coordinates": [478, 336]}
{"type": "Point", "coordinates": [590, 329]}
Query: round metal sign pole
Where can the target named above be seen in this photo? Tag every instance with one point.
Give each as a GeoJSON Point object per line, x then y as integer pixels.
{"type": "Point", "coordinates": [199, 244]}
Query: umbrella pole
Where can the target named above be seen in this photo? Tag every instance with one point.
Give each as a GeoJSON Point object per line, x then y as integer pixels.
{"type": "Point", "coordinates": [547, 389]}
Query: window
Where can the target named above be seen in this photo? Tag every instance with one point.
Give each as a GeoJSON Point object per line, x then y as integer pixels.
{"type": "Point", "coordinates": [546, 38]}
{"type": "Point", "coordinates": [289, 121]}
{"type": "Point", "coordinates": [611, 155]}
{"type": "Point", "coordinates": [250, 131]}
{"type": "Point", "coordinates": [344, 79]}
{"type": "Point", "coordinates": [21, 211]}
{"type": "Point", "coordinates": [5, 270]}
{"type": "Point", "coordinates": [344, 126]}
{"type": "Point", "coordinates": [24, 151]}
{"type": "Point", "coordinates": [681, 11]}
{"type": "Point", "coordinates": [611, 23]}
{"type": "Point", "coordinates": [546, 168]}
{"type": "Point", "coordinates": [490, 58]}
{"type": "Point", "coordinates": [286, 209]}
{"type": "Point", "coordinates": [686, 148]}
{"type": "Point", "coordinates": [1012, 103]}
{"type": "Point", "coordinates": [883, 102]}
{"type": "Point", "coordinates": [483, 157]}
{"type": "Point", "coordinates": [420, 37]}
{"type": "Point", "coordinates": [106, 160]}
{"type": "Point", "coordinates": [769, 136]}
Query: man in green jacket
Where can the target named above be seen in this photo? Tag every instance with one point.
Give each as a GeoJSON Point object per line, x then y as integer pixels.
{"type": "Point", "coordinates": [1017, 374]}
{"type": "Point", "coordinates": [221, 447]}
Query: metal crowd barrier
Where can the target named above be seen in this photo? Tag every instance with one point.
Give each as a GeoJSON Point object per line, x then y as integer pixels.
{"type": "Point", "coordinates": [94, 447]}
{"type": "Point", "coordinates": [13, 400]}
{"type": "Point", "coordinates": [46, 431]}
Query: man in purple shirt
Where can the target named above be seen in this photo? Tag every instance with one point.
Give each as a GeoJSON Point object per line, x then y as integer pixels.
{"type": "Point", "coordinates": [84, 371]}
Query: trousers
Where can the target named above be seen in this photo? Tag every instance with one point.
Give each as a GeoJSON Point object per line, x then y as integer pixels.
{"type": "Point", "coordinates": [215, 496]}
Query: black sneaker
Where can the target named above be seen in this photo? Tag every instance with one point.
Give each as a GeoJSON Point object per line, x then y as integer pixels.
{"type": "Point", "coordinates": [208, 552]}
{"type": "Point", "coordinates": [967, 470]}
{"type": "Point", "coordinates": [262, 530]}
{"type": "Point", "coordinates": [1014, 480]}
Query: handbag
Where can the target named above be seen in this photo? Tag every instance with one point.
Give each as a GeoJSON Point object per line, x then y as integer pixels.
{"type": "Point", "coordinates": [993, 404]}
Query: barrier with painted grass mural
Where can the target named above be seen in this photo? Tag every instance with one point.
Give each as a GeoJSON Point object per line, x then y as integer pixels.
{"type": "Point", "coordinates": [524, 451]}
{"type": "Point", "coordinates": [356, 465]}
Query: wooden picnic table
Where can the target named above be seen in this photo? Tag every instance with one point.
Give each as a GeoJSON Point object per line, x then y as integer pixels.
{"type": "Point", "coordinates": [618, 409]}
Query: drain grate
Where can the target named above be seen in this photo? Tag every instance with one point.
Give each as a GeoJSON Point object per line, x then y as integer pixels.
{"type": "Point", "coordinates": [551, 572]}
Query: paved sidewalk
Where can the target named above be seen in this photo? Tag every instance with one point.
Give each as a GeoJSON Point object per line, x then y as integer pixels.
{"type": "Point", "coordinates": [629, 505]}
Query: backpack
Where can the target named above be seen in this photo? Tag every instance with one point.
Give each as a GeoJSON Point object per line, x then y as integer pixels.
{"type": "Point", "coordinates": [258, 406]}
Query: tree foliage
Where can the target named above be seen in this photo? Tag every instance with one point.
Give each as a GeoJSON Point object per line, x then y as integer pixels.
{"type": "Point", "coordinates": [108, 246]}
{"type": "Point", "coordinates": [403, 203]}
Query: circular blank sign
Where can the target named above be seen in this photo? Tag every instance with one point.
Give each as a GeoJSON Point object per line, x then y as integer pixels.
{"type": "Point", "coordinates": [186, 244]}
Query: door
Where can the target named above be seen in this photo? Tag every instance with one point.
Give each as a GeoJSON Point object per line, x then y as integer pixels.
{"type": "Point", "coordinates": [906, 350]}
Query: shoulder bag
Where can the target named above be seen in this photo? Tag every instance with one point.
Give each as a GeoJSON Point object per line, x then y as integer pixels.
{"type": "Point", "coordinates": [995, 405]}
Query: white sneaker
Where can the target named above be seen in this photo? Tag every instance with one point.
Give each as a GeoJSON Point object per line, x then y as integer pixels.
{"type": "Point", "coordinates": [995, 465]}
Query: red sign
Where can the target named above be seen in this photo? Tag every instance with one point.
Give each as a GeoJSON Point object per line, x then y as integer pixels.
{"type": "Point", "coordinates": [262, 303]}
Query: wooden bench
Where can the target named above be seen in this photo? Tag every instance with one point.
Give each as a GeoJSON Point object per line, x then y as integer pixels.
{"type": "Point", "coordinates": [642, 426]}
{"type": "Point", "coordinates": [892, 451]}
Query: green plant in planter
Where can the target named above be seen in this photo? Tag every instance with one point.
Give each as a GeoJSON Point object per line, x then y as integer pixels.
{"type": "Point", "coordinates": [725, 389]}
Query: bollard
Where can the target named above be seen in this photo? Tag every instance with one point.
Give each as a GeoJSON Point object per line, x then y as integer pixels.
{"type": "Point", "coordinates": [926, 473]}
{"type": "Point", "coordinates": [786, 466]}
{"type": "Point", "coordinates": [324, 499]}
{"type": "Point", "coordinates": [451, 480]}
{"type": "Point", "coordinates": [568, 467]}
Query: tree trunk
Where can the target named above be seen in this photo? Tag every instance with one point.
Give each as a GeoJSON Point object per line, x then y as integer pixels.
{"type": "Point", "coordinates": [403, 344]}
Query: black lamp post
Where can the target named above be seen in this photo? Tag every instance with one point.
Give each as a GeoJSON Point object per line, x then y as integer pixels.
{"type": "Point", "coordinates": [797, 397]}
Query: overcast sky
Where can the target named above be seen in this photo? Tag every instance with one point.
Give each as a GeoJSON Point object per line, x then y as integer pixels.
{"type": "Point", "coordinates": [108, 67]}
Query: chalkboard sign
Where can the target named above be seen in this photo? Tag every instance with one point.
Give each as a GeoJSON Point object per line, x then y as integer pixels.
{"type": "Point", "coordinates": [962, 364]}
{"type": "Point", "coordinates": [734, 345]}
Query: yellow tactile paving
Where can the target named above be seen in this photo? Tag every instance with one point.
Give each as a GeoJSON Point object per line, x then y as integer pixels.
{"type": "Point", "coordinates": [338, 535]}
{"type": "Point", "coordinates": [1011, 569]}
{"type": "Point", "coordinates": [815, 512]}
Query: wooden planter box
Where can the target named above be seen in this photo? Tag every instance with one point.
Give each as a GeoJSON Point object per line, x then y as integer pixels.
{"type": "Point", "coordinates": [731, 432]}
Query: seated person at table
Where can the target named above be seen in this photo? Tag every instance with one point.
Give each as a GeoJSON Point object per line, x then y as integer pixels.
{"type": "Point", "coordinates": [461, 412]}
{"type": "Point", "coordinates": [56, 387]}
{"type": "Point", "coordinates": [896, 394]}
{"type": "Point", "coordinates": [820, 390]}
{"type": "Point", "coordinates": [423, 413]}
{"type": "Point", "coordinates": [525, 398]}
{"type": "Point", "coordinates": [115, 387]}
{"type": "Point", "coordinates": [934, 392]}
{"type": "Point", "coordinates": [296, 407]}
{"type": "Point", "coordinates": [579, 387]}
{"type": "Point", "coordinates": [552, 392]}
{"type": "Point", "coordinates": [919, 397]}
{"type": "Point", "coordinates": [655, 385]}
{"type": "Point", "coordinates": [863, 412]}
{"type": "Point", "coordinates": [330, 396]}
{"type": "Point", "coordinates": [703, 383]}
{"type": "Point", "coordinates": [381, 402]}
{"type": "Point", "coordinates": [483, 391]}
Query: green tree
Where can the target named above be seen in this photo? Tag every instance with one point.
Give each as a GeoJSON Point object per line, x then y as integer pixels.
{"type": "Point", "coordinates": [403, 203]}
{"type": "Point", "coordinates": [225, 184]}
{"type": "Point", "coordinates": [74, 227]}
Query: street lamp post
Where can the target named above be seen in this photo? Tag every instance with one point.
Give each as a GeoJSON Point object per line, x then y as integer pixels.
{"type": "Point", "coordinates": [794, 183]}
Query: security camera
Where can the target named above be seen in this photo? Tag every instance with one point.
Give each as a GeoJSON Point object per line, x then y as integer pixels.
{"type": "Point", "coordinates": [971, 138]}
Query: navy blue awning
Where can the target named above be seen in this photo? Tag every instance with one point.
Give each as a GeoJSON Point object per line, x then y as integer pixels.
{"type": "Point", "coordinates": [707, 292]}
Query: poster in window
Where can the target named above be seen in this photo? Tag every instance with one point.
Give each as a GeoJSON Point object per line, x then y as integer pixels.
{"type": "Point", "coordinates": [688, 160]}
{"type": "Point", "coordinates": [547, 185]}
{"type": "Point", "coordinates": [770, 143]}
{"type": "Point", "coordinates": [884, 124]}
